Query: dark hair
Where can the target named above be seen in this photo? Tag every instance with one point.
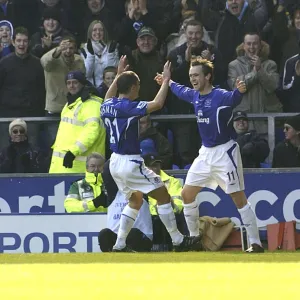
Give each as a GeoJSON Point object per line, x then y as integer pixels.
{"type": "Point", "coordinates": [207, 66]}
{"type": "Point", "coordinates": [20, 30]}
{"type": "Point", "coordinates": [253, 33]}
{"type": "Point", "coordinates": [70, 38]}
{"type": "Point", "coordinates": [193, 23]}
{"type": "Point", "coordinates": [109, 69]}
{"type": "Point", "coordinates": [126, 80]}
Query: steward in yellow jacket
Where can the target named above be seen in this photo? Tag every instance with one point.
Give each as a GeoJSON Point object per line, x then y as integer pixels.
{"type": "Point", "coordinates": [172, 184]}
{"type": "Point", "coordinates": [81, 130]}
{"type": "Point", "coordinates": [88, 194]}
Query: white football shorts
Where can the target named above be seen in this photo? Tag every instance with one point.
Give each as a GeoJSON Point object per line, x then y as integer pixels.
{"type": "Point", "coordinates": [131, 175]}
{"type": "Point", "coordinates": [220, 165]}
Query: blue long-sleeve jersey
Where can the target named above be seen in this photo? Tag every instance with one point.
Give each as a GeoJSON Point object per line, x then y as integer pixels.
{"type": "Point", "coordinates": [213, 112]}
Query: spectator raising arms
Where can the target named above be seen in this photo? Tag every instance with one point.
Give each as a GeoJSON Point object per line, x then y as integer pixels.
{"type": "Point", "coordinates": [49, 35]}
{"type": "Point", "coordinates": [98, 53]}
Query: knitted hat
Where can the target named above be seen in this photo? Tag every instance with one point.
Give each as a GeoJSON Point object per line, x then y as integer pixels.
{"type": "Point", "coordinates": [8, 24]}
{"type": "Point", "coordinates": [78, 75]}
{"type": "Point", "coordinates": [17, 122]}
{"type": "Point", "coordinates": [51, 13]}
{"type": "Point", "coordinates": [294, 121]}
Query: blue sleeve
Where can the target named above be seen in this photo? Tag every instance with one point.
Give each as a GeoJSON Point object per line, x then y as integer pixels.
{"type": "Point", "coordinates": [230, 98]}
{"type": "Point", "coordinates": [133, 109]}
{"type": "Point", "coordinates": [183, 92]}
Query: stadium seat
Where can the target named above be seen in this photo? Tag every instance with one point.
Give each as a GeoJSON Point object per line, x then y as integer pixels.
{"type": "Point", "coordinates": [265, 165]}
{"type": "Point", "coordinates": [187, 166]}
{"type": "Point", "coordinates": [175, 167]}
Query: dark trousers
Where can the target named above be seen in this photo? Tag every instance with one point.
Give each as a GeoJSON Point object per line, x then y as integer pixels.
{"type": "Point", "coordinates": [136, 240]}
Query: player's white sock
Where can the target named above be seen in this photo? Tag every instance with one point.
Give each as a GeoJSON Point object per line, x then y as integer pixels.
{"type": "Point", "coordinates": [167, 216]}
{"type": "Point", "coordinates": [126, 223]}
{"type": "Point", "coordinates": [248, 218]}
{"type": "Point", "coordinates": [191, 214]}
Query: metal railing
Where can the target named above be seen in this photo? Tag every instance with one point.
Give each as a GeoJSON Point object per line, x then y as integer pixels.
{"type": "Point", "coordinates": [270, 117]}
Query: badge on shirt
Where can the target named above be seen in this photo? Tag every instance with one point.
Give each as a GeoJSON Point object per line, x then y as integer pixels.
{"type": "Point", "coordinates": [87, 195]}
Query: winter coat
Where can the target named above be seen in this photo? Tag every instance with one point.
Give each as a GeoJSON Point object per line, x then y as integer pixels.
{"type": "Point", "coordinates": [36, 47]}
{"type": "Point", "coordinates": [22, 86]}
{"type": "Point", "coordinates": [286, 155]}
{"type": "Point", "coordinates": [56, 70]}
{"type": "Point", "coordinates": [229, 31]}
{"type": "Point", "coordinates": [22, 157]}
{"type": "Point", "coordinates": [162, 146]}
{"type": "Point", "coordinates": [95, 64]}
{"type": "Point", "coordinates": [146, 66]}
{"type": "Point", "coordinates": [260, 96]}
{"type": "Point", "coordinates": [254, 149]}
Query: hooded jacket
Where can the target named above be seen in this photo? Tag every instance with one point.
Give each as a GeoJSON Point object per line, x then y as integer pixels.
{"type": "Point", "coordinates": [260, 96]}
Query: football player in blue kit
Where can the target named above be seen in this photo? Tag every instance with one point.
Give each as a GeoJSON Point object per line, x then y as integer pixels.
{"type": "Point", "coordinates": [121, 117]}
{"type": "Point", "coordinates": [219, 162]}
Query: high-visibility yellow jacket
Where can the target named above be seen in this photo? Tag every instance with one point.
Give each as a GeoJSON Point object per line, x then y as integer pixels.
{"type": "Point", "coordinates": [174, 188]}
{"type": "Point", "coordinates": [82, 192]}
{"type": "Point", "coordinates": [80, 131]}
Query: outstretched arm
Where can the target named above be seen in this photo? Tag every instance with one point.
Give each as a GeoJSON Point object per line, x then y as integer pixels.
{"type": "Point", "coordinates": [182, 92]}
{"type": "Point", "coordinates": [122, 67]}
{"type": "Point", "coordinates": [161, 96]}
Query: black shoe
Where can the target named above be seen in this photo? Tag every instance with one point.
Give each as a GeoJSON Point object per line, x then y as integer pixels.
{"type": "Point", "coordinates": [125, 249]}
{"type": "Point", "coordinates": [189, 243]}
{"type": "Point", "coordinates": [255, 248]}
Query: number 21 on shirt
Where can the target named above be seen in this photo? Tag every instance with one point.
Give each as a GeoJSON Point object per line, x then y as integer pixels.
{"type": "Point", "coordinates": [113, 129]}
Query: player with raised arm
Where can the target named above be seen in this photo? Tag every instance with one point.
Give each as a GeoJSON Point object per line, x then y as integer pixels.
{"type": "Point", "coordinates": [120, 116]}
{"type": "Point", "coordinates": [219, 161]}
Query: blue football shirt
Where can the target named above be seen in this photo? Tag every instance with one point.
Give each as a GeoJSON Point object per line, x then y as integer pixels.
{"type": "Point", "coordinates": [121, 119]}
{"type": "Point", "coordinates": [213, 112]}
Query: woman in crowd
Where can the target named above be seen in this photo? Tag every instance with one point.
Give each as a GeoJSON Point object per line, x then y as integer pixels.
{"type": "Point", "coordinates": [98, 53]}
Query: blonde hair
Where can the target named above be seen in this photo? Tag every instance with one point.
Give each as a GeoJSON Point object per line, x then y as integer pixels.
{"type": "Point", "coordinates": [90, 30]}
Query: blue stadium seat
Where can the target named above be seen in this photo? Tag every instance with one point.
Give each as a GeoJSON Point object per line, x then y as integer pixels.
{"type": "Point", "coordinates": [187, 166]}
{"type": "Point", "coordinates": [175, 167]}
{"type": "Point", "coordinates": [265, 165]}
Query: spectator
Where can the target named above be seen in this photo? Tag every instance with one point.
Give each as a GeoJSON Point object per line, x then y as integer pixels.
{"type": "Point", "coordinates": [174, 187]}
{"type": "Point", "coordinates": [254, 148]}
{"type": "Point", "coordinates": [6, 36]}
{"type": "Point", "coordinates": [109, 74]}
{"type": "Point", "coordinates": [81, 131]}
{"type": "Point", "coordinates": [286, 36]}
{"type": "Point", "coordinates": [98, 53]}
{"type": "Point", "coordinates": [161, 146]}
{"type": "Point", "coordinates": [146, 62]}
{"type": "Point", "coordinates": [231, 26]}
{"type": "Point", "coordinates": [290, 85]}
{"type": "Point", "coordinates": [57, 63]}
{"type": "Point", "coordinates": [287, 153]}
{"type": "Point", "coordinates": [88, 194]}
{"type": "Point", "coordinates": [260, 75]}
{"type": "Point", "coordinates": [20, 156]}
{"type": "Point", "coordinates": [22, 85]}
{"type": "Point", "coordinates": [137, 16]}
{"type": "Point", "coordinates": [50, 34]}
{"type": "Point", "coordinates": [96, 10]}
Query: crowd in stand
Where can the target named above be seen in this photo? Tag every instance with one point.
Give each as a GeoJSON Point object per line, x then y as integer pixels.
{"type": "Point", "coordinates": [46, 45]}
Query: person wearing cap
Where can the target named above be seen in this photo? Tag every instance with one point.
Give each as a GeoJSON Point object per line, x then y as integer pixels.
{"type": "Point", "coordinates": [174, 187]}
{"type": "Point", "coordinates": [254, 148]}
{"type": "Point", "coordinates": [287, 153]}
{"type": "Point", "coordinates": [49, 35]}
{"type": "Point", "coordinates": [57, 63]}
{"type": "Point", "coordinates": [152, 141]}
{"type": "Point", "coordinates": [146, 61]}
{"type": "Point", "coordinates": [81, 130]}
{"type": "Point", "coordinates": [20, 156]}
{"type": "Point", "coordinates": [6, 36]}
